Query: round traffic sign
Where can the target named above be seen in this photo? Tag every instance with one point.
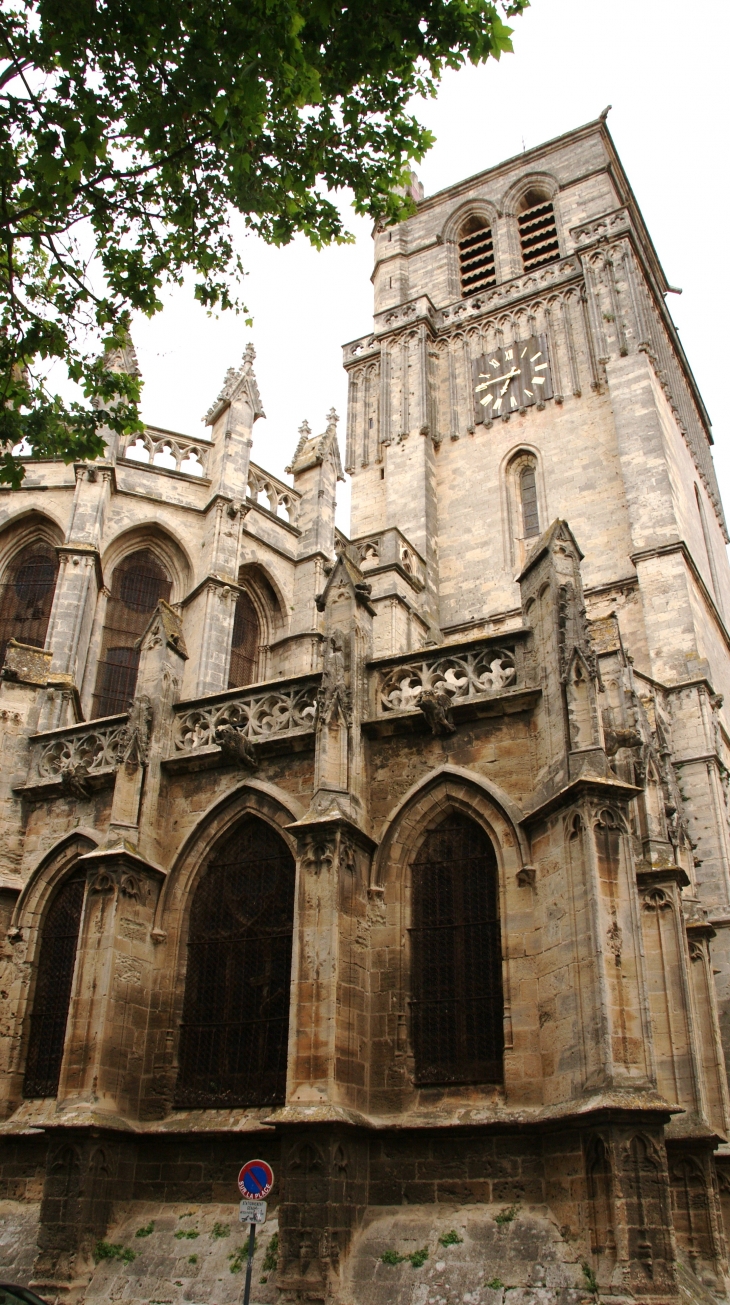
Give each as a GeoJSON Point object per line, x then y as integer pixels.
{"type": "Point", "coordinates": [256, 1180]}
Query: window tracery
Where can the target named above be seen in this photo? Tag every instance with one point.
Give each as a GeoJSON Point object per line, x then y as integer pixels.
{"type": "Point", "coordinates": [139, 582]}
{"type": "Point", "coordinates": [26, 596]}
{"type": "Point", "coordinates": [457, 1008]}
{"type": "Point", "coordinates": [235, 1024]}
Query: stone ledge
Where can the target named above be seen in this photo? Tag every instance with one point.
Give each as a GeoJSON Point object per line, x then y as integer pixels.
{"type": "Point", "coordinates": [413, 721]}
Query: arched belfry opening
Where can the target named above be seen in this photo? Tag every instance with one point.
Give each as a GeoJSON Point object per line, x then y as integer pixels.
{"type": "Point", "coordinates": [476, 255]}
{"type": "Point", "coordinates": [457, 1008]}
{"type": "Point", "coordinates": [54, 980]}
{"type": "Point", "coordinates": [235, 1023]}
{"type": "Point", "coordinates": [538, 230]}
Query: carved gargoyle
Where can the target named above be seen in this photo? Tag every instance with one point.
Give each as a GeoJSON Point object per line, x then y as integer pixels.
{"type": "Point", "coordinates": [436, 708]}
{"type": "Point", "coordinates": [73, 776]}
{"type": "Point", "coordinates": [235, 747]}
{"type": "Point", "coordinates": [621, 738]}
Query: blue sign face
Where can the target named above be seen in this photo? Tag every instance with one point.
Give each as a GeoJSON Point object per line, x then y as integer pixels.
{"type": "Point", "coordinates": [256, 1179]}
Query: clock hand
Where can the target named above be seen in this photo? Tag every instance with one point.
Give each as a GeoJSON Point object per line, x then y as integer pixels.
{"type": "Point", "coordinates": [493, 379]}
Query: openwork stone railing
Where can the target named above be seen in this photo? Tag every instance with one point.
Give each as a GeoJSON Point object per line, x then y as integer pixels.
{"type": "Point", "coordinates": [258, 714]}
{"type": "Point", "coordinates": [169, 452]}
{"type": "Point", "coordinates": [75, 758]}
{"type": "Point", "coordinates": [461, 675]}
{"type": "Point", "coordinates": [280, 499]}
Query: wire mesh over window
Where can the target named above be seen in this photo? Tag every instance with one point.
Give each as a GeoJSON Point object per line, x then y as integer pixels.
{"type": "Point", "coordinates": [59, 940]}
{"type": "Point", "coordinates": [233, 1039]}
{"type": "Point", "coordinates": [476, 257]}
{"type": "Point", "coordinates": [245, 644]}
{"type": "Point", "coordinates": [456, 1007]}
{"type": "Point", "coordinates": [26, 597]}
{"type": "Point", "coordinates": [138, 583]}
{"type": "Point", "coordinates": [538, 232]}
{"type": "Point", "coordinates": [528, 494]}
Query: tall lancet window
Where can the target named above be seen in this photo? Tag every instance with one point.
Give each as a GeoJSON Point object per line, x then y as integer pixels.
{"type": "Point", "coordinates": [528, 500]}
{"type": "Point", "coordinates": [244, 644]}
{"type": "Point", "coordinates": [138, 584]}
{"type": "Point", "coordinates": [235, 1025]}
{"type": "Point", "coordinates": [55, 971]}
{"type": "Point", "coordinates": [26, 597]}
{"type": "Point", "coordinates": [457, 1010]}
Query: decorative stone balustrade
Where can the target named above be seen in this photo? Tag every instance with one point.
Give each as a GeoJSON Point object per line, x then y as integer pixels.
{"type": "Point", "coordinates": [167, 451]}
{"type": "Point", "coordinates": [461, 675]}
{"type": "Point", "coordinates": [77, 759]}
{"type": "Point", "coordinates": [283, 711]}
{"type": "Point", "coordinates": [280, 499]}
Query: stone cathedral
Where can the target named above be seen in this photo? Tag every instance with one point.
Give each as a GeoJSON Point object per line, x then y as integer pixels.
{"type": "Point", "coordinates": [400, 861]}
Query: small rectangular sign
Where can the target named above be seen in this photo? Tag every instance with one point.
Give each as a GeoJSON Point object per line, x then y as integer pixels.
{"type": "Point", "coordinates": [252, 1211]}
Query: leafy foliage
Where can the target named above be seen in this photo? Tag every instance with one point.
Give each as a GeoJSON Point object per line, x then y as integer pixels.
{"type": "Point", "coordinates": [271, 1257]}
{"type": "Point", "coordinates": [496, 1284]}
{"type": "Point", "coordinates": [113, 1251]}
{"type": "Point", "coordinates": [220, 1230]}
{"type": "Point", "coordinates": [129, 135]}
{"type": "Point", "coordinates": [590, 1278]}
{"type": "Point", "coordinates": [147, 1231]}
{"type": "Point", "coordinates": [238, 1258]}
{"type": "Point", "coordinates": [506, 1214]}
{"type": "Point", "coordinates": [416, 1258]}
{"type": "Point", "coordinates": [450, 1238]}
{"type": "Point", "coordinates": [189, 1233]}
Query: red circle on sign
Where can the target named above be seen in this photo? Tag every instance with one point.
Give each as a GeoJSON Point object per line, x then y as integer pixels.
{"type": "Point", "coordinates": [255, 1180]}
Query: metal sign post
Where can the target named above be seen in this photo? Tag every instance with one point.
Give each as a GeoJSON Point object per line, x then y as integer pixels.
{"type": "Point", "coordinates": [255, 1181]}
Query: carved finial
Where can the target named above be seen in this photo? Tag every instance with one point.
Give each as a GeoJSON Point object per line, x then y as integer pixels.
{"type": "Point", "coordinates": [332, 419]}
{"type": "Point", "coordinates": [606, 112]}
{"type": "Point", "coordinates": [305, 430]}
{"type": "Point", "coordinates": [243, 377]}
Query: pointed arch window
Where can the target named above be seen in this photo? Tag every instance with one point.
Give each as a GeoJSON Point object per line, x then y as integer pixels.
{"type": "Point", "coordinates": [138, 584]}
{"type": "Point", "coordinates": [457, 1009]}
{"type": "Point", "coordinates": [235, 1025]}
{"type": "Point", "coordinates": [57, 960]}
{"type": "Point", "coordinates": [245, 643]}
{"type": "Point", "coordinates": [528, 500]}
{"type": "Point", "coordinates": [26, 597]}
{"type": "Point", "coordinates": [538, 231]}
{"type": "Point", "coordinates": [476, 256]}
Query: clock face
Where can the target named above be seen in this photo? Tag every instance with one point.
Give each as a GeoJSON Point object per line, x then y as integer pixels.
{"type": "Point", "coordinates": [512, 378]}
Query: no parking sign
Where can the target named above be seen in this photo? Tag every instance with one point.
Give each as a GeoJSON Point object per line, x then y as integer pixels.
{"type": "Point", "coordinates": [255, 1180]}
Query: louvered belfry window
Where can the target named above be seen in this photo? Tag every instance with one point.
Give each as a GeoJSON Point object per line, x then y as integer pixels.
{"type": "Point", "coordinates": [26, 597]}
{"type": "Point", "coordinates": [538, 232]}
{"type": "Point", "coordinates": [245, 644]}
{"type": "Point", "coordinates": [138, 583]}
{"type": "Point", "coordinates": [59, 940]}
{"type": "Point", "coordinates": [528, 494]}
{"type": "Point", "coordinates": [235, 1024]}
{"type": "Point", "coordinates": [456, 1007]}
{"type": "Point", "coordinates": [476, 257]}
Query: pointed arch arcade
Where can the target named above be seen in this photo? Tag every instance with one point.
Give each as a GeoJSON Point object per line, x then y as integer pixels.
{"type": "Point", "coordinates": [235, 1020]}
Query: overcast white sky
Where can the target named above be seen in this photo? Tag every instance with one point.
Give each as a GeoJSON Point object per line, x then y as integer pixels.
{"type": "Point", "coordinates": [662, 65]}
